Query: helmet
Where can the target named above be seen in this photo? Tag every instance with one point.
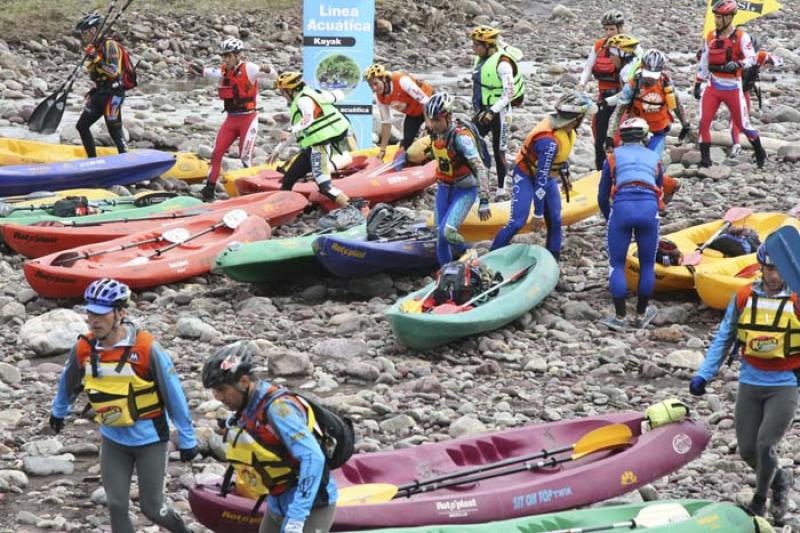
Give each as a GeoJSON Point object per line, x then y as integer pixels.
{"type": "Point", "coordinates": [653, 63]}
{"type": "Point", "coordinates": [439, 104]}
{"type": "Point", "coordinates": [570, 107]}
{"type": "Point", "coordinates": [612, 18]}
{"type": "Point", "coordinates": [289, 80]}
{"type": "Point", "coordinates": [633, 130]}
{"type": "Point", "coordinates": [724, 7]}
{"type": "Point", "coordinates": [106, 294]}
{"type": "Point", "coordinates": [762, 256]}
{"type": "Point", "coordinates": [227, 365]}
{"type": "Point", "coordinates": [375, 71]}
{"type": "Point", "coordinates": [485, 34]}
{"type": "Point", "coordinates": [89, 21]}
{"type": "Point", "coordinates": [626, 43]}
{"type": "Point", "coordinates": [231, 46]}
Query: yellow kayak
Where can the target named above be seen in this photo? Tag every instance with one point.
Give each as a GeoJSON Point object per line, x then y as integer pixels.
{"type": "Point", "coordinates": [229, 178]}
{"type": "Point", "coordinates": [676, 278]}
{"type": "Point", "coordinates": [188, 167]}
{"type": "Point", "coordinates": [717, 281]}
{"type": "Point", "coordinates": [582, 204]}
{"type": "Point", "coordinates": [50, 197]}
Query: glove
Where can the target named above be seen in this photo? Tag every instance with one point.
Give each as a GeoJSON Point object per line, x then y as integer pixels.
{"type": "Point", "coordinates": [697, 386]}
{"type": "Point", "coordinates": [484, 213]}
{"type": "Point", "coordinates": [608, 144]}
{"type": "Point", "coordinates": [697, 93]}
{"type": "Point", "coordinates": [730, 67]}
{"type": "Point", "coordinates": [56, 423]}
{"type": "Point", "coordinates": [91, 52]}
{"type": "Point", "coordinates": [187, 454]}
{"type": "Point", "coordinates": [685, 129]}
{"type": "Point", "coordinates": [293, 526]}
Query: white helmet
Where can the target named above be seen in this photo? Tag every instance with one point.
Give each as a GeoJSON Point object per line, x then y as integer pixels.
{"type": "Point", "coordinates": [231, 46]}
{"type": "Point", "coordinates": [633, 130]}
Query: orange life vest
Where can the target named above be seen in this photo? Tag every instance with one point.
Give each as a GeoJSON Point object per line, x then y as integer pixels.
{"type": "Point", "coordinates": [721, 50]}
{"type": "Point", "coordinates": [236, 89]}
{"type": "Point", "coordinates": [452, 166]}
{"type": "Point", "coordinates": [651, 103]}
{"type": "Point", "coordinates": [402, 101]}
{"type": "Point", "coordinates": [526, 158]}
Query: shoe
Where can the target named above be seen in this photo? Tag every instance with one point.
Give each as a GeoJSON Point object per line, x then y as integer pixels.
{"type": "Point", "coordinates": [705, 155]}
{"type": "Point", "coordinates": [760, 154]}
{"type": "Point", "coordinates": [735, 150]}
{"type": "Point", "coordinates": [642, 321]}
{"type": "Point", "coordinates": [615, 323]}
{"type": "Point", "coordinates": [758, 505]}
{"type": "Point", "coordinates": [779, 504]}
{"type": "Point", "coordinates": [208, 192]}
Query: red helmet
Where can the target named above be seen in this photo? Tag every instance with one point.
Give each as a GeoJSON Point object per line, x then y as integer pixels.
{"type": "Point", "coordinates": [724, 7]}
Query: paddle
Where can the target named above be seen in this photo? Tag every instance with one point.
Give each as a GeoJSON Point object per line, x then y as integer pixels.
{"type": "Point", "coordinates": [783, 248]}
{"type": "Point", "coordinates": [416, 306]}
{"type": "Point", "coordinates": [69, 258]}
{"type": "Point", "coordinates": [166, 216]}
{"type": "Point", "coordinates": [27, 197]}
{"type": "Point", "coordinates": [610, 436]}
{"type": "Point", "coordinates": [449, 309]}
{"type": "Point", "coordinates": [655, 515]}
{"type": "Point", "coordinates": [734, 214]}
{"type": "Point", "coordinates": [150, 198]}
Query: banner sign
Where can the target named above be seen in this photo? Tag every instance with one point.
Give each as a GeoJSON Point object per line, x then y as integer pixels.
{"type": "Point", "coordinates": [338, 37]}
{"type": "Point", "coordinates": [748, 10]}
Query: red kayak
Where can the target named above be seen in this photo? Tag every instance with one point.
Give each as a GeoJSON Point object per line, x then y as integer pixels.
{"type": "Point", "coordinates": [39, 240]}
{"type": "Point", "coordinates": [148, 258]}
{"type": "Point", "coordinates": [606, 470]}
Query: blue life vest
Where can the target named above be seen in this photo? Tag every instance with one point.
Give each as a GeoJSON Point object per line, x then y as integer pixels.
{"type": "Point", "coordinates": [634, 163]}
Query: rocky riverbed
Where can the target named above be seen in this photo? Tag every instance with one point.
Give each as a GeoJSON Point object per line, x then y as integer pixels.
{"type": "Point", "coordinates": [329, 336]}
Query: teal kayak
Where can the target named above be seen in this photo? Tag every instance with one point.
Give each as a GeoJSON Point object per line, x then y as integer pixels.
{"type": "Point", "coordinates": [701, 516]}
{"type": "Point", "coordinates": [274, 260]}
{"type": "Point", "coordinates": [426, 330]}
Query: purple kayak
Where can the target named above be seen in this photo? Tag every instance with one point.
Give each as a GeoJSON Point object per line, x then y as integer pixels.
{"type": "Point", "coordinates": [586, 478]}
{"type": "Point", "coordinates": [102, 172]}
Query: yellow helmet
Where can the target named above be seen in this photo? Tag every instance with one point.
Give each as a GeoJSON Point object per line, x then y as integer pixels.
{"type": "Point", "coordinates": [375, 71]}
{"type": "Point", "coordinates": [485, 34]}
{"type": "Point", "coordinates": [289, 80]}
{"type": "Point", "coordinates": [626, 43]}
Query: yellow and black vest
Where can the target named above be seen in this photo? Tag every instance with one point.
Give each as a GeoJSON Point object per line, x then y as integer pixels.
{"type": "Point", "coordinates": [769, 330]}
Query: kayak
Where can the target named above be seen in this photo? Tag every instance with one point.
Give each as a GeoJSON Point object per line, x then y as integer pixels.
{"type": "Point", "coordinates": [229, 178]}
{"type": "Point", "coordinates": [597, 476]}
{"type": "Point", "coordinates": [347, 257]}
{"type": "Point", "coordinates": [38, 240]}
{"type": "Point", "coordinates": [188, 166]}
{"type": "Point", "coordinates": [676, 278]}
{"type": "Point", "coordinates": [704, 516]}
{"type": "Point", "coordinates": [274, 260]}
{"type": "Point", "coordinates": [144, 259]}
{"type": "Point", "coordinates": [582, 204]}
{"type": "Point", "coordinates": [122, 169]}
{"type": "Point", "coordinates": [427, 330]}
{"type": "Point", "coordinates": [48, 198]}
{"type": "Point", "coordinates": [717, 281]}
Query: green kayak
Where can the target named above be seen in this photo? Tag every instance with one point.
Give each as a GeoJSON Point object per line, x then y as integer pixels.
{"type": "Point", "coordinates": [673, 516]}
{"type": "Point", "coordinates": [426, 330]}
{"type": "Point", "coordinates": [273, 260]}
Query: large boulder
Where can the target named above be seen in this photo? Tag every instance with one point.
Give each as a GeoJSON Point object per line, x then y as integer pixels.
{"type": "Point", "coordinates": [53, 332]}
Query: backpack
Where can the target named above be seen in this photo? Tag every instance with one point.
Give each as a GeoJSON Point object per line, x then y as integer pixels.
{"type": "Point", "coordinates": [736, 242]}
{"type": "Point", "coordinates": [483, 148]}
{"type": "Point", "coordinates": [668, 254]}
{"type": "Point", "coordinates": [129, 79]}
{"type": "Point", "coordinates": [72, 206]}
{"type": "Point", "coordinates": [341, 219]}
{"type": "Point", "coordinates": [334, 432]}
{"type": "Point", "coordinates": [457, 282]}
{"type": "Point", "coordinates": [388, 223]}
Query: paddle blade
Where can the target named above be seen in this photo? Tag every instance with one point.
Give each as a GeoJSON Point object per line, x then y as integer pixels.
{"type": "Point", "coordinates": [734, 214]}
{"type": "Point", "coordinates": [783, 248]}
{"type": "Point", "coordinates": [692, 259]}
{"type": "Point", "coordinates": [53, 117]}
{"type": "Point", "coordinates": [366, 494]}
{"type": "Point", "coordinates": [176, 236]}
{"type": "Point", "coordinates": [233, 218]}
{"type": "Point", "coordinates": [661, 514]}
{"type": "Point", "coordinates": [152, 198]}
{"type": "Point", "coordinates": [67, 259]}
{"type": "Point", "coordinates": [611, 436]}
{"type": "Point", "coordinates": [36, 119]}
{"type": "Point", "coordinates": [447, 309]}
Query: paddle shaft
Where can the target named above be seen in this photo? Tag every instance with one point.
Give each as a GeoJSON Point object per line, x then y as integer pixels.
{"type": "Point", "coordinates": [783, 248]}
{"type": "Point", "coordinates": [630, 524]}
{"type": "Point", "coordinates": [719, 232]}
{"type": "Point", "coordinates": [145, 219]}
{"type": "Point", "coordinates": [67, 258]}
{"type": "Point", "coordinates": [174, 245]}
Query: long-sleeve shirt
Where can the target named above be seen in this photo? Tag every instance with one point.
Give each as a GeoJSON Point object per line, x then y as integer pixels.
{"type": "Point", "coordinates": [142, 431]}
{"type": "Point", "coordinates": [107, 66]}
{"type": "Point", "coordinates": [307, 107]}
{"type": "Point", "coordinates": [215, 73]}
{"type": "Point", "coordinates": [724, 82]}
{"type": "Point", "coordinates": [506, 74]}
{"type": "Point", "coordinates": [626, 193]}
{"type": "Point", "coordinates": [723, 341]}
{"type": "Point", "coordinates": [413, 90]}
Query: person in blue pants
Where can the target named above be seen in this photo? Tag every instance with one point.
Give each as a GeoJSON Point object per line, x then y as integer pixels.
{"type": "Point", "coordinates": [461, 174]}
{"type": "Point", "coordinates": [540, 162]}
{"type": "Point", "coordinates": [632, 178]}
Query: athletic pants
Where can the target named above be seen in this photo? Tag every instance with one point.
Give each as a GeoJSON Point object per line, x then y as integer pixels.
{"type": "Point", "coordinates": [109, 106]}
{"type": "Point", "coordinates": [116, 469]}
{"type": "Point", "coordinates": [734, 101]}
{"type": "Point", "coordinates": [600, 129]}
{"type": "Point", "coordinates": [633, 215]}
{"type": "Point", "coordinates": [500, 127]}
{"type": "Point", "coordinates": [411, 126]}
{"type": "Point", "coordinates": [735, 131]}
{"type": "Point", "coordinates": [245, 127]}
{"type": "Point", "coordinates": [452, 206]}
{"type": "Point", "coordinates": [319, 521]}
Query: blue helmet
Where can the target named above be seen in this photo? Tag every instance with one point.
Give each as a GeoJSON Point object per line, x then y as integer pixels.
{"type": "Point", "coordinates": [762, 256]}
{"type": "Point", "coordinates": [106, 294]}
{"type": "Point", "coordinates": [89, 21]}
{"type": "Point", "coordinates": [439, 105]}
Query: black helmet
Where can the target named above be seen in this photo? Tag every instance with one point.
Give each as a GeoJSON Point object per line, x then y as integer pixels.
{"type": "Point", "coordinates": [89, 21]}
{"type": "Point", "coordinates": [227, 365]}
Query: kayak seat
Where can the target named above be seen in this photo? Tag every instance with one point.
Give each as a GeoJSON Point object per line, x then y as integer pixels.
{"type": "Point", "coordinates": [489, 450]}
{"type": "Point", "coordinates": [359, 471]}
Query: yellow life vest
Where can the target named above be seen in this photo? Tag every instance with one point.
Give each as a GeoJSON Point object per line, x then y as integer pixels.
{"type": "Point", "coordinates": [526, 157]}
{"type": "Point", "coordinates": [769, 331]}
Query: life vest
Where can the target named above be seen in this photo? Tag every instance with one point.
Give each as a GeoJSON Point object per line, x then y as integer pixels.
{"type": "Point", "coordinates": [328, 124]}
{"type": "Point", "coordinates": [100, 76]}
{"type": "Point", "coordinates": [633, 165]}
{"type": "Point", "coordinates": [402, 101]}
{"type": "Point", "coordinates": [526, 157]}
{"type": "Point", "coordinates": [721, 50]}
{"type": "Point", "coordinates": [653, 104]}
{"type": "Point", "coordinates": [452, 165]}
{"type": "Point", "coordinates": [118, 382]}
{"type": "Point", "coordinates": [236, 90]}
{"type": "Point", "coordinates": [484, 75]}
{"type": "Point", "coordinates": [768, 331]}
{"type": "Point", "coordinates": [605, 69]}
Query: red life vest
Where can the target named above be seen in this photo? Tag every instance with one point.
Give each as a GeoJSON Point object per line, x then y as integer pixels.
{"type": "Point", "coordinates": [236, 89]}
{"type": "Point", "coordinates": [605, 69]}
{"type": "Point", "coordinates": [452, 165]}
{"type": "Point", "coordinates": [402, 101]}
{"type": "Point", "coordinates": [721, 50]}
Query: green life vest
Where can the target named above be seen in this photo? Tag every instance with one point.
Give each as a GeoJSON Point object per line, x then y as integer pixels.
{"type": "Point", "coordinates": [330, 123]}
{"type": "Point", "coordinates": [491, 85]}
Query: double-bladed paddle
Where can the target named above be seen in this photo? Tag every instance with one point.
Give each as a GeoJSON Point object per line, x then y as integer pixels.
{"type": "Point", "coordinates": [734, 214]}
{"type": "Point", "coordinates": [783, 248]}
{"type": "Point", "coordinates": [655, 515]}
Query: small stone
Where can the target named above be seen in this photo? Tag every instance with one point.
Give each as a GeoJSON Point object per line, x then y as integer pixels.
{"type": "Point", "coordinates": [691, 359]}
{"type": "Point", "coordinates": [399, 424]}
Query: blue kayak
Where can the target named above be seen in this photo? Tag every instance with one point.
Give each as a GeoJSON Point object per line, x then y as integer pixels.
{"type": "Point", "coordinates": [350, 257]}
{"type": "Point", "coordinates": [103, 172]}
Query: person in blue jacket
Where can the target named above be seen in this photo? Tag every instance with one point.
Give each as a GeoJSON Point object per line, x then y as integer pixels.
{"type": "Point", "coordinates": [134, 392]}
{"type": "Point", "coordinates": [632, 178]}
{"type": "Point", "coordinates": [281, 446]}
{"type": "Point", "coordinates": [762, 324]}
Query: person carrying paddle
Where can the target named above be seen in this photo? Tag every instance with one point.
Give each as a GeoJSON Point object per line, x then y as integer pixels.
{"type": "Point", "coordinates": [282, 446]}
{"type": "Point", "coordinates": [541, 161]}
{"type": "Point", "coordinates": [105, 99]}
{"type": "Point", "coordinates": [322, 131]}
{"type": "Point", "coordinates": [238, 89]}
{"type": "Point", "coordinates": [398, 90]}
{"type": "Point", "coordinates": [727, 52]}
{"type": "Point", "coordinates": [134, 391]}
{"type": "Point", "coordinates": [497, 85]}
{"type": "Point", "coordinates": [763, 321]}
{"type": "Point", "coordinates": [632, 178]}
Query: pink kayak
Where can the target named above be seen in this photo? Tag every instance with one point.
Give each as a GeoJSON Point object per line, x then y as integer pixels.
{"type": "Point", "coordinates": [591, 478]}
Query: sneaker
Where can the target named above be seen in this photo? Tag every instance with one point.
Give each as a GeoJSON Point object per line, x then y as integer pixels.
{"type": "Point", "coordinates": [208, 192]}
{"type": "Point", "coordinates": [642, 321]}
{"type": "Point", "coordinates": [735, 150]}
{"type": "Point", "coordinates": [779, 504]}
{"type": "Point", "coordinates": [615, 323]}
{"type": "Point", "coordinates": [758, 505]}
